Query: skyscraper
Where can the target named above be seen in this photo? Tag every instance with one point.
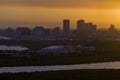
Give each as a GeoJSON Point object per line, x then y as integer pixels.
{"type": "Point", "coordinates": [66, 26]}
{"type": "Point", "coordinates": [80, 25]}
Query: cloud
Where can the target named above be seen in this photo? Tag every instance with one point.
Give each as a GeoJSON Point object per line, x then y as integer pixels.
{"type": "Point", "coordinates": [63, 3]}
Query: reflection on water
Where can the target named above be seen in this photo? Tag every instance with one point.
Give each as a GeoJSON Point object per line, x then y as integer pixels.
{"type": "Point", "coordinates": [107, 65]}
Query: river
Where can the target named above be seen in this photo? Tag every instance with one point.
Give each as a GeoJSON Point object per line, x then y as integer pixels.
{"type": "Point", "coordinates": [105, 65]}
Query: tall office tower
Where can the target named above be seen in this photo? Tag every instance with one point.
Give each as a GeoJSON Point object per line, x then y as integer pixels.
{"type": "Point", "coordinates": [80, 25]}
{"type": "Point", "coordinates": [66, 26]}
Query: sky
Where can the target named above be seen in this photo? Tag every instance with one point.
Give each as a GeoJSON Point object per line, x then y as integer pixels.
{"type": "Point", "coordinates": [50, 13]}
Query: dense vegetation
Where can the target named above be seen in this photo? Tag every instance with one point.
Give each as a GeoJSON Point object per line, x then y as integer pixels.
{"type": "Point", "coordinates": [65, 75]}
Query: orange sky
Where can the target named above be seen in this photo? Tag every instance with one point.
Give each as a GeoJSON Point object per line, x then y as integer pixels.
{"type": "Point", "coordinates": [50, 13]}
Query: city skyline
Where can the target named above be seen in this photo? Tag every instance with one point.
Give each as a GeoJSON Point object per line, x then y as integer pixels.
{"type": "Point", "coordinates": [84, 31]}
{"type": "Point", "coordinates": [50, 13]}
{"type": "Point", "coordinates": [65, 26]}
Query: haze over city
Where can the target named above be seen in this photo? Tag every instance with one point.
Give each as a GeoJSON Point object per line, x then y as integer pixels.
{"type": "Point", "coordinates": [50, 13]}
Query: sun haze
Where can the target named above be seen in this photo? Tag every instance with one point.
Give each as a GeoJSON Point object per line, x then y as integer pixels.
{"type": "Point", "coordinates": [50, 13]}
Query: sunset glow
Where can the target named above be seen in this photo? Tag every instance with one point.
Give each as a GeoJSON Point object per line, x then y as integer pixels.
{"type": "Point", "coordinates": [50, 13]}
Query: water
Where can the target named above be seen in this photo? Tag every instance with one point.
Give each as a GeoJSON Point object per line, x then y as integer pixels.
{"type": "Point", "coordinates": [18, 48]}
{"type": "Point", "coordinates": [5, 38]}
{"type": "Point", "coordinates": [106, 65]}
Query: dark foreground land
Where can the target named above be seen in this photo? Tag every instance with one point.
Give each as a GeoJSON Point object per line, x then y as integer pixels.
{"type": "Point", "coordinates": [40, 60]}
{"type": "Point", "coordinates": [106, 51]}
{"type": "Point", "coordinates": [65, 75]}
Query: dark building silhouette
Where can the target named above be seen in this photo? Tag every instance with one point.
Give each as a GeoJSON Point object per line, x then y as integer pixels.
{"type": "Point", "coordinates": [83, 27]}
{"type": "Point", "coordinates": [2, 33]}
{"type": "Point", "coordinates": [113, 32]}
{"type": "Point", "coordinates": [56, 31]}
{"type": "Point", "coordinates": [94, 28]}
{"type": "Point", "coordinates": [38, 31]}
{"type": "Point", "coordinates": [9, 32]}
{"type": "Point", "coordinates": [66, 26]}
{"type": "Point", "coordinates": [47, 31]}
{"type": "Point", "coordinates": [23, 31]}
{"type": "Point", "coordinates": [112, 28]}
{"type": "Point", "coordinates": [85, 30]}
{"type": "Point", "coordinates": [89, 28]}
{"type": "Point", "coordinates": [80, 26]}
